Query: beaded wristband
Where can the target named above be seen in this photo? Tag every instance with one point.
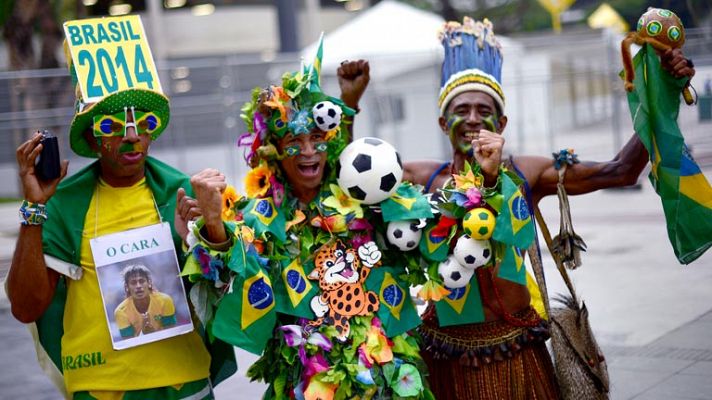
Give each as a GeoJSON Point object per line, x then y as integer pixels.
{"type": "Point", "coordinates": [32, 213]}
{"type": "Point", "coordinates": [491, 191]}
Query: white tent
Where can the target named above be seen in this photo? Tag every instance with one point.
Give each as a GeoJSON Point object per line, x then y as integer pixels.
{"type": "Point", "coordinates": [402, 35]}
{"type": "Point", "coordinates": [395, 36]}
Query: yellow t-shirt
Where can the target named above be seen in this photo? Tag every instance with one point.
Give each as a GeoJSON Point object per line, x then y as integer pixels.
{"type": "Point", "coordinates": [88, 360]}
{"type": "Point", "coordinates": [161, 313]}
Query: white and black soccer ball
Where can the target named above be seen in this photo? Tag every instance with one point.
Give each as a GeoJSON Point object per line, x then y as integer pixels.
{"type": "Point", "coordinates": [472, 253]}
{"type": "Point", "coordinates": [369, 170]}
{"type": "Point", "coordinates": [327, 115]}
{"type": "Point", "coordinates": [453, 274]}
{"type": "Point", "coordinates": [405, 235]}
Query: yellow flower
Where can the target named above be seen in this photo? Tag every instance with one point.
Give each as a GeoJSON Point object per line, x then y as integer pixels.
{"type": "Point", "coordinates": [431, 290]}
{"type": "Point", "coordinates": [257, 181]}
{"type": "Point", "coordinates": [229, 198]}
{"type": "Point", "coordinates": [331, 134]}
{"type": "Point", "coordinates": [342, 202]}
{"type": "Point", "coordinates": [246, 234]}
{"type": "Point", "coordinates": [469, 180]}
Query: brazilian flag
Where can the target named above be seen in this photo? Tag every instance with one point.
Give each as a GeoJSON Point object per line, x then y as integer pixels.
{"type": "Point", "coordinates": [406, 203]}
{"type": "Point", "coordinates": [246, 315]}
{"type": "Point", "coordinates": [514, 223]}
{"type": "Point", "coordinates": [685, 192]}
{"type": "Point", "coordinates": [396, 309]}
{"type": "Point", "coordinates": [262, 216]}
{"type": "Point", "coordinates": [512, 267]}
{"type": "Point", "coordinates": [293, 290]}
{"type": "Point", "coordinates": [462, 306]}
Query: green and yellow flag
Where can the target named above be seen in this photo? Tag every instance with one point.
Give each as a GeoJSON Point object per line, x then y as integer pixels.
{"type": "Point", "coordinates": [685, 192]}
{"type": "Point", "coordinates": [246, 315]}
{"type": "Point", "coordinates": [514, 222]}
{"type": "Point", "coordinates": [293, 291]}
{"type": "Point", "coordinates": [396, 309]}
{"type": "Point", "coordinates": [406, 203]}
{"type": "Point", "coordinates": [262, 216]}
{"type": "Point", "coordinates": [512, 267]}
{"type": "Point", "coordinates": [462, 306]}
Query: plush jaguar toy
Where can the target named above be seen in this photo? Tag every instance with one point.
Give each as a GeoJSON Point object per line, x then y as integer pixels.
{"type": "Point", "coordinates": [342, 276]}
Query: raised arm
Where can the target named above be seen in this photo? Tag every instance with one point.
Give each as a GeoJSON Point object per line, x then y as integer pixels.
{"type": "Point", "coordinates": [30, 284]}
{"type": "Point", "coordinates": [353, 80]}
{"type": "Point", "coordinates": [208, 186]}
{"type": "Point", "coordinates": [587, 176]}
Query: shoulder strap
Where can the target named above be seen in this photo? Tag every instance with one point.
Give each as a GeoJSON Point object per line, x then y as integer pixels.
{"type": "Point", "coordinates": [435, 175]}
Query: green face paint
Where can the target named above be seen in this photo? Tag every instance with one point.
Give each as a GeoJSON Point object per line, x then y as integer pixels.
{"type": "Point", "coordinates": [453, 122]}
{"type": "Point", "coordinates": [491, 122]}
{"type": "Point", "coordinates": [127, 148]}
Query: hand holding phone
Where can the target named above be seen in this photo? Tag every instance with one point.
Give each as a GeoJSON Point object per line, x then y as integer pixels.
{"type": "Point", "coordinates": [48, 164]}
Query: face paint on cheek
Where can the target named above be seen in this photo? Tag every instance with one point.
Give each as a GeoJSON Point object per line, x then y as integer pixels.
{"type": "Point", "coordinates": [491, 122]}
{"type": "Point", "coordinates": [292, 151]}
{"type": "Point", "coordinates": [321, 147]}
{"type": "Point", "coordinates": [453, 122]}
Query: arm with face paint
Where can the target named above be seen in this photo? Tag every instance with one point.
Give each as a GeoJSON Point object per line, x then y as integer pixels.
{"type": "Point", "coordinates": [30, 284]}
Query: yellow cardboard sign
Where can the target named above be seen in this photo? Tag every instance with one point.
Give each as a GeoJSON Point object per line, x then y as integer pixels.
{"type": "Point", "coordinates": [109, 55]}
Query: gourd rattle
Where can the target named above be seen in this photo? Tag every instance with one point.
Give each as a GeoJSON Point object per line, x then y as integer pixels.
{"type": "Point", "coordinates": [663, 30]}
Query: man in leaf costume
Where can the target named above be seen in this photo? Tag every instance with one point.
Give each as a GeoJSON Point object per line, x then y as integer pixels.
{"type": "Point", "coordinates": [293, 271]}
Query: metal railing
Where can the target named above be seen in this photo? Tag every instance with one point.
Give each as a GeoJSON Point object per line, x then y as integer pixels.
{"type": "Point", "coordinates": [579, 91]}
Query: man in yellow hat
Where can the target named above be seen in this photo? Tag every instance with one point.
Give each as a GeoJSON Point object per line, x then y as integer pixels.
{"type": "Point", "coordinates": [122, 191]}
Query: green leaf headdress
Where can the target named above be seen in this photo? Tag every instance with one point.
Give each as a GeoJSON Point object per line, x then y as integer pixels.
{"type": "Point", "coordinates": [298, 107]}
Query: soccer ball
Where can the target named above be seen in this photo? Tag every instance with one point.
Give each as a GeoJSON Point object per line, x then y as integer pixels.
{"type": "Point", "coordinates": [453, 274]}
{"type": "Point", "coordinates": [327, 115]}
{"type": "Point", "coordinates": [369, 170]}
{"type": "Point", "coordinates": [471, 253]}
{"type": "Point", "coordinates": [405, 235]}
{"type": "Point", "coordinates": [478, 223]}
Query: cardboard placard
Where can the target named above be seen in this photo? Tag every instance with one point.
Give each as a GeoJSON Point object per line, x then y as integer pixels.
{"type": "Point", "coordinates": [111, 54]}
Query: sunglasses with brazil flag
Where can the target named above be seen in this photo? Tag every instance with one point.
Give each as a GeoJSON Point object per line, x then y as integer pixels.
{"type": "Point", "coordinates": [145, 122]}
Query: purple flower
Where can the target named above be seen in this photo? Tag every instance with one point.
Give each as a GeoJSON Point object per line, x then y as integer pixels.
{"type": "Point", "coordinates": [293, 335]}
{"type": "Point", "coordinates": [468, 200]}
{"type": "Point", "coordinates": [277, 191]}
{"type": "Point", "coordinates": [320, 341]}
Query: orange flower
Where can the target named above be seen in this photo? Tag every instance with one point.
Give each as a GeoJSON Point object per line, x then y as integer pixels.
{"type": "Point", "coordinates": [298, 218]}
{"type": "Point", "coordinates": [229, 198]}
{"type": "Point", "coordinates": [431, 290]}
{"type": "Point", "coordinates": [376, 348]}
{"type": "Point", "coordinates": [257, 181]}
{"type": "Point", "coordinates": [279, 97]}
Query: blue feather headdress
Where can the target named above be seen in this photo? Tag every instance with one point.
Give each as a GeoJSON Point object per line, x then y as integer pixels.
{"type": "Point", "coordinates": [473, 61]}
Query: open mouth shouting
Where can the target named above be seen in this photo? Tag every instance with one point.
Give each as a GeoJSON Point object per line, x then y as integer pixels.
{"type": "Point", "coordinates": [309, 169]}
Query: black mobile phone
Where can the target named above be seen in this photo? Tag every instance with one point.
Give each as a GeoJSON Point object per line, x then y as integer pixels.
{"type": "Point", "coordinates": [48, 166]}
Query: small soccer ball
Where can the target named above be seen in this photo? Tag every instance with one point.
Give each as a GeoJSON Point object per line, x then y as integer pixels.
{"type": "Point", "coordinates": [369, 170]}
{"type": "Point", "coordinates": [453, 274]}
{"type": "Point", "coordinates": [471, 253]}
{"type": "Point", "coordinates": [405, 235]}
{"type": "Point", "coordinates": [327, 115]}
{"type": "Point", "coordinates": [478, 223]}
